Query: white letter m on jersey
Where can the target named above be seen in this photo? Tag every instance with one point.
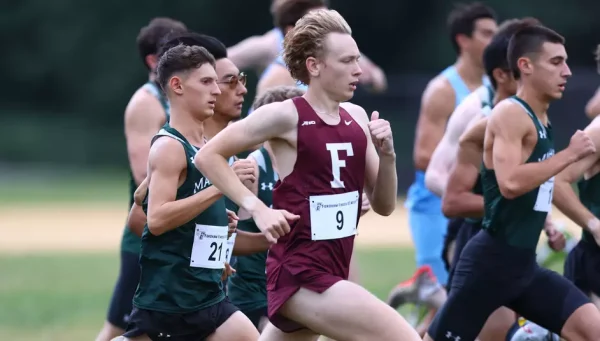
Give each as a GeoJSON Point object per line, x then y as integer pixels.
{"type": "Point", "coordinates": [336, 163]}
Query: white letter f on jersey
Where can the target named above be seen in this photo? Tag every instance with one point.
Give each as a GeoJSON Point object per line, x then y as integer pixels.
{"type": "Point", "coordinates": [336, 163]}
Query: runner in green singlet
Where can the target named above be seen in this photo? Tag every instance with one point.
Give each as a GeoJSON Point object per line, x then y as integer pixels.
{"type": "Point", "coordinates": [463, 196]}
{"type": "Point", "coordinates": [519, 165]}
{"type": "Point", "coordinates": [184, 244]}
{"type": "Point", "coordinates": [227, 108]}
{"type": "Point", "coordinates": [146, 112]}
{"type": "Point", "coordinates": [583, 262]}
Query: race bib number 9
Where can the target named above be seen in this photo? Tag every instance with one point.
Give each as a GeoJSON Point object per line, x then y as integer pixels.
{"type": "Point", "coordinates": [209, 250]}
{"type": "Point", "coordinates": [334, 216]}
{"type": "Point", "coordinates": [543, 203]}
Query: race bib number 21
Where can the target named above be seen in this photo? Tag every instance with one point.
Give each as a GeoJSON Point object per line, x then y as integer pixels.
{"type": "Point", "coordinates": [210, 249]}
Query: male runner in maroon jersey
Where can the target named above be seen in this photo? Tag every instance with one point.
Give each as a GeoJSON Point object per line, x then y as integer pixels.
{"type": "Point", "coordinates": [325, 152]}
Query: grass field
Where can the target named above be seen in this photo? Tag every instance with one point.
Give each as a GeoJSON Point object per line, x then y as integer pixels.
{"type": "Point", "coordinates": [59, 243]}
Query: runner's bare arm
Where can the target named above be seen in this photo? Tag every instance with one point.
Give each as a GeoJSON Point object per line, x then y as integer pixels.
{"type": "Point", "coordinates": [253, 187]}
{"type": "Point", "coordinates": [564, 197]}
{"type": "Point", "coordinates": [592, 108]}
{"type": "Point", "coordinates": [372, 74]}
{"type": "Point", "coordinates": [144, 116]}
{"type": "Point", "coordinates": [140, 192]}
{"type": "Point", "coordinates": [437, 104]}
{"type": "Point", "coordinates": [438, 171]}
{"type": "Point", "coordinates": [444, 156]}
{"type": "Point", "coordinates": [247, 243]}
{"type": "Point", "coordinates": [254, 52]}
{"type": "Point", "coordinates": [238, 137]}
{"type": "Point", "coordinates": [278, 76]}
{"type": "Point", "coordinates": [459, 199]}
{"type": "Point", "coordinates": [381, 181]}
{"type": "Point", "coordinates": [136, 220]}
{"type": "Point", "coordinates": [166, 162]}
{"type": "Point", "coordinates": [509, 125]}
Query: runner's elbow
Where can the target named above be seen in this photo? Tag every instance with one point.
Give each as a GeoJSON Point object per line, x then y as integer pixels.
{"type": "Point", "coordinates": [156, 226]}
{"type": "Point", "coordinates": [451, 206]}
{"type": "Point", "coordinates": [509, 189]}
{"type": "Point", "coordinates": [384, 209]}
{"type": "Point", "coordinates": [421, 159]}
{"type": "Point", "coordinates": [592, 109]}
{"type": "Point", "coordinates": [200, 161]}
{"type": "Point", "coordinates": [433, 182]}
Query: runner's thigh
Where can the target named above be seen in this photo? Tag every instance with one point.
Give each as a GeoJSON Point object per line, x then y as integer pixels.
{"type": "Point", "coordinates": [549, 300]}
{"type": "Point", "coordinates": [236, 328]}
{"type": "Point", "coordinates": [271, 333]}
{"type": "Point", "coordinates": [333, 314]}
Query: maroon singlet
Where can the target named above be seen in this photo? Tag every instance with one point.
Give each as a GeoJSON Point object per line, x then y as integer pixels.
{"type": "Point", "coordinates": [325, 190]}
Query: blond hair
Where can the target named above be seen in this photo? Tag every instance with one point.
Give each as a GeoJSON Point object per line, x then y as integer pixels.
{"type": "Point", "coordinates": [307, 39]}
{"type": "Point", "coordinates": [277, 94]}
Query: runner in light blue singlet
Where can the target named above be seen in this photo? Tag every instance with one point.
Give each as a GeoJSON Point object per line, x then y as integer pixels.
{"type": "Point", "coordinates": [427, 222]}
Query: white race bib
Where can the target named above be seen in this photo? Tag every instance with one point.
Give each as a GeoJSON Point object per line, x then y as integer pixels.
{"type": "Point", "coordinates": [543, 203]}
{"type": "Point", "coordinates": [333, 216]}
{"type": "Point", "coordinates": [209, 250]}
{"type": "Point", "coordinates": [230, 243]}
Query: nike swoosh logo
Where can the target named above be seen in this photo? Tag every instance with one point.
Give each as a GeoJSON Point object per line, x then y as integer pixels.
{"type": "Point", "coordinates": [347, 122]}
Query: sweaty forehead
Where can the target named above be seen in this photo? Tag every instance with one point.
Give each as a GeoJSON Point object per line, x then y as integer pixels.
{"type": "Point", "coordinates": [341, 45]}
{"type": "Point", "coordinates": [226, 68]}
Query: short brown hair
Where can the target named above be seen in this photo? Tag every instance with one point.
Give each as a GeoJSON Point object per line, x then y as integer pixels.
{"type": "Point", "coordinates": [277, 94]}
{"type": "Point", "coordinates": [307, 39]}
{"type": "Point", "coordinates": [529, 40]}
{"type": "Point", "coordinates": [181, 58]}
{"type": "Point", "coordinates": [150, 37]}
{"type": "Point", "coordinates": [462, 18]}
{"type": "Point", "coordinates": [288, 12]}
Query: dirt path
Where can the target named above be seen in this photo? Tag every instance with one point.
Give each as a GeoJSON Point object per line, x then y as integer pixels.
{"type": "Point", "coordinates": [82, 228]}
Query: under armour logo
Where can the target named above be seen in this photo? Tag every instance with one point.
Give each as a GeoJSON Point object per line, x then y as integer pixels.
{"type": "Point", "coordinates": [264, 186]}
{"type": "Point", "coordinates": [452, 337]}
{"type": "Point", "coordinates": [542, 134]}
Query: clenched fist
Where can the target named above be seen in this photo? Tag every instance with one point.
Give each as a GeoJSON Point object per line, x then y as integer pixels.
{"type": "Point", "coordinates": [232, 225]}
{"type": "Point", "coordinates": [245, 170]}
{"type": "Point", "coordinates": [381, 134]}
{"type": "Point", "coordinates": [227, 271]}
{"type": "Point", "coordinates": [273, 223]}
{"type": "Point", "coordinates": [581, 145]}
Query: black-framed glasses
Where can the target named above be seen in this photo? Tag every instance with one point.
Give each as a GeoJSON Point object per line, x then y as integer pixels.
{"type": "Point", "coordinates": [234, 80]}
